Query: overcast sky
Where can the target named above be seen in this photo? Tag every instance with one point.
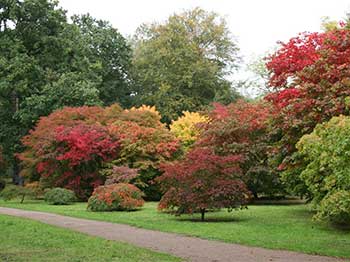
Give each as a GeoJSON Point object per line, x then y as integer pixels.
{"type": "Point", "coordinates": [257, 24]}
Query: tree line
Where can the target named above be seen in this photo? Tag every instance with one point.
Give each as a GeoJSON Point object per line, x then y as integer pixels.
{"type": "Point", "coordinates": [49, 61]}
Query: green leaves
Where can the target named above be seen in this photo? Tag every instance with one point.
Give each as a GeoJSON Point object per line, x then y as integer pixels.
{"type": "Point", "coordinates": [180, 65]}
{"type": "Point", "coordinates": [326, 155]}
{"type": "Point", "coordinates": [47, 63]}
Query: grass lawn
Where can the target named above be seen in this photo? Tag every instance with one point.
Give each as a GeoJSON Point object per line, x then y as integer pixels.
{"type": "Point", "coordinates": [26, 240]}
{"type": "Point", "coordinates": [278, 227]}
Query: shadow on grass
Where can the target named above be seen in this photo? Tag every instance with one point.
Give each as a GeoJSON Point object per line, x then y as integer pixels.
{"type": "Point", "coordinates": [341, 228]}
{"type": "Point", "coordinates": [211, 219]}
{"type": "Point", "coordinates": [302, 213]}
{"type": "Point", "coordinates": [285, 202]}
{"type": "Point", "coordinates": [325, 226]}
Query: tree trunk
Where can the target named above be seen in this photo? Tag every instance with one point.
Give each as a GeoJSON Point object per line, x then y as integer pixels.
{"type": "Point", "coordinates": [202, 214]}
{"type": "Point", "coordinates": [23, 196]}
{"type": "Point", "coordinates": [16, 178]}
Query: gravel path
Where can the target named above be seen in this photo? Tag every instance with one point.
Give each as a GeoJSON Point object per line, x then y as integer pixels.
{"type": "Point", "coordinates": [189, 248]}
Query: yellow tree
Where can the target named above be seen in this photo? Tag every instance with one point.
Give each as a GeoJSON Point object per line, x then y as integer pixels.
{"type": "Point", "coordinates": [186, 127]}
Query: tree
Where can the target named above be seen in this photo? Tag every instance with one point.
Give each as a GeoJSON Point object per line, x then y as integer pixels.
{"type": "Point", "coordinates": [310, 76]}
{"type": "Point", "coordinates": [78, 147]}
{"type": "Point", "coordinates": [29, 42]}
{"type": "Point", "coordinates": [67, 149]}
{"type": "Point", "coordinates": [242, 128]}
{"type": "Point", "coordinates": [109, 49]}
{"type": "Point", "coordinates": [187, 129]}
{"type": "Point", "coordinates": [181, 65]}
{"type": "Point", "coordinates": [325, 152]}
{"type": "Point", "coordinates": [203, 181]}
{"type": "Point", "coordinates": [326, 173]}
{"type": "Point", "coordinates": [145, 144]}
{"type": "Point", "coordinates": [47, 63]}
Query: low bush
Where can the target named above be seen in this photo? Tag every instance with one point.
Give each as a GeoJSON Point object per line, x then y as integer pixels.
{"type": "Point", "coordinates": [335, 208]}
{"type": "Point", "coordinates": [38, 191]}
{"type": "Point", "coordinates": [116, 197]}
{"type": "Point", "coordinates": [59, 196]}
{"type": "Point", "coordinates": [11, 192]}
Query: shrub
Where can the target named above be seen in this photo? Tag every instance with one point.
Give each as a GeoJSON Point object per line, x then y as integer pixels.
{"type": "Point", "coordinates": [11, 192]}
{"type": "Point", "coordinates": [335, 208]}
{"type": "Point", "coordinates": [38, 191]}
{"type": "Point", "coordinates": [115, 197]}
{"type": "Point", "coordinates": [59, 196]}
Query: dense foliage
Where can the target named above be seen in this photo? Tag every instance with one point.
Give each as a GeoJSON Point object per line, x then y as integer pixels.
{"type": "Point", "coordinates": [325, 152]}
{"type": "Point", "coordinates": [2, 184]}
{"type": "Point", "coordinates": [70, 147]}
{"type": "Point", "coordinates": [179, 65]}
{"type": "Point", "coordinates": [116, 197]}
{"type": "Point", "coordinates": [203, 181]}
{"type": "Point", "coordinates": [67, 149]}
{"type": "Point", "coordinates": [310, 74]}
{"type": "Point", "coordinates": [335, 208]}
{"type": "Point", "coordinates": [122, 174]}
{"type": "Point", "coordinates": [187, 128]}
{"type": "Point", "coordinates": [47, 63]}
{"type": "Point", "coordinates": [59, 196]}
{"type": "Point", "coordinates": [242, 128]}
{"type": "Point", "coordinates": [145, 144]}
{"type": "Point", "coordinates": [13, 192]}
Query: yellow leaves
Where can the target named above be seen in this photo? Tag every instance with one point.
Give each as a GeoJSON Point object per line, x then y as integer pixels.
{"type": "Point", "coordinates": [143, 108]}
{"type": "Point", "coordinates": [186, 127]}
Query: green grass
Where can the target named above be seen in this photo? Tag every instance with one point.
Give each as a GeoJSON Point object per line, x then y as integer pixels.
{"type": "Point", "coordinates": [271, 226]}
{"type": "Point", "coordinates": [26, 240]}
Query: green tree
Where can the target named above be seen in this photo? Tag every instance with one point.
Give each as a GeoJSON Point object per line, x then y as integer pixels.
{"type": "Point", "coordinates": [47, 63]}
{"type": "Point", "coordinates": [181, 65]}
{"type": "Point", "coordinates": [109, 49]}
{"type": "Point", "coordinates": [29, 44]}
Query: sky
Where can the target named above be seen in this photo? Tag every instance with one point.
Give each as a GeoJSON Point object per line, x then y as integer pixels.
{"type": "Point", "coordinates": [256, 24]}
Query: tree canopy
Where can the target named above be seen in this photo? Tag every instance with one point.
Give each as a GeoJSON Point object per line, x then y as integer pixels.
{"type": "Point", "coordinates": [181, 64]}
{"type": "Point", "coordinates": [47, 63]}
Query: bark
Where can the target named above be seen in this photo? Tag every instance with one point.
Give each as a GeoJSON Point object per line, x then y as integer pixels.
{"type": "Point", "coordinates": [202, 214]}
{"type": "Point", "coordinates": [16, 178]}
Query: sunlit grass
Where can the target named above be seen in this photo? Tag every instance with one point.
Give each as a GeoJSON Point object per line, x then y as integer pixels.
{"type": "Point", "coordinates": [26, 240]}
{"type": "Point", "coordinates": [287, 227]}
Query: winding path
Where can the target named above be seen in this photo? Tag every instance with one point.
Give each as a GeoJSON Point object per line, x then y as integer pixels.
{"type": "Point", "coordinates": [189, 248]}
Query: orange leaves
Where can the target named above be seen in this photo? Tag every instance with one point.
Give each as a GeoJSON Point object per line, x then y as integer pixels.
{"type": "Point", "coordinates": [119, 196]}
{"type": "Point", "coordinates": [69, 147]}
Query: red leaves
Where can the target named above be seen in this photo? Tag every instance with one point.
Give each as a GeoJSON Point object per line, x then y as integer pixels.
{"type": "Point", "coordinates": [238, 123]}
{"type": "Point", "coordinates": [213, 174]}
{"type": "Point", "coordinates": [203, 180]}
{"type": "Point", "coordinates": [283, 98]}
{"type": "Point", "coordinates": [298, 53]}
{"type": "Point", "coordinates": [121, 174]}
{"type": "Point", "coordinates": [83, 143]}
{"type": "Point", "coordinates": [69, 147]}
{"type": "Point", "coordinates": [318, 65]}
